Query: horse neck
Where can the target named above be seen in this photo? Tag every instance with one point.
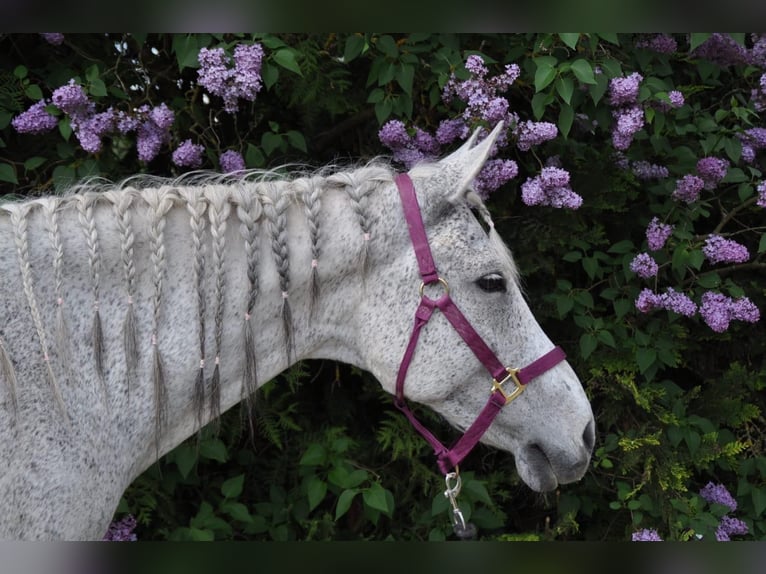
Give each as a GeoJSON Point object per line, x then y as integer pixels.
{"type": "Point", "coordinates": [282, 267]}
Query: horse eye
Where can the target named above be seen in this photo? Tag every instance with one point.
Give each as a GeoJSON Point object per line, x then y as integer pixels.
{"type": "Point", "coordinates": [492, 283]}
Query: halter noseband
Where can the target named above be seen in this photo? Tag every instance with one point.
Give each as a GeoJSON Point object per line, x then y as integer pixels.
{"type": "Point", "coordinates": [502, 376]}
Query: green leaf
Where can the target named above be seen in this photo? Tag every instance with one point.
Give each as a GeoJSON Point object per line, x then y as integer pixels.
{"type": "Point", "coordinates": [186, 49]}
{"type": "Point", "coordinates": [566, 117]}
{"type": "Point", "coordinates": [697, 39]}
{"type": "Point", "coordinates": [270, 142]}
{"type": "Point", "coordinates": [375, 497]}
{"type": "Point", "coordinates": [213, 449]}
{"type": "Point", "coordinates": [645, 357]}
{"type": "Point", "coordinates": [8, 173]}
{"type": "Point", "coordinates": [286, 58]}
{"type": "Point", "coordinates": [607, 338]}
{"type": "Point", "coordinates": [297, 140]}
{"type": "Point", "coordinates": [315, 455]}
{"type": "Point", "coordinates": [405, 76]}
{"type": "Point", "coordinates": [269, 74]}
{"type": "Point", "coordinates": [383, 110]}
{"type": "Point", "coordinates": [33, 92]}
{"type": "Point", "coordinates": [97, 88]}
{"type": "Point", "coordinates": [759, 500]}
{"type": "Point", "coordinates": [237, 511]}
{"type": "Point", "coordinates": [570, 39]}
{"type": "Point", "coordinates": [565, 88]}
{"type": "Point", "coordinates": [344, 502]}
{"type": "Point", "coordinates": [387, 45]}
{"type": "Point", "coordinates": [316, 491]}
{"type": "Point", "coordinates": [476, 490]}
{"type": "Point", "coordinates": [544, 75]}
{"type": "Point", "coordinates": [185, 457]}
{"type": "Point", "coordinates": [354, 46]}
{"type": "Point", "coordinates": [590, 264]}
{"type": "Point", "coordinates": [621, 308]}
{"type": "Point", "coordinates": [621, 247]}
{"type": "Point", "coordinates": [762, 244]}
{"type": "Point", "coordinates": [588, 344]}
{"type": "Point", "coordinates": [20, 72]}
{"type": "Point", "coordinates": [254, 156]}
{"type": "Point", "coordinates": [583, 71]}
{"type": "Point", "coordinates": [232, 487]}
{"type": "Point", "coordinates": [564, 305]}
{"type": "Point", "coordinates": [34, 162]}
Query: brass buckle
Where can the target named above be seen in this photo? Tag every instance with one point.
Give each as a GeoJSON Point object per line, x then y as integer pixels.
{"type": "Point", "coordinates": [498, 386]}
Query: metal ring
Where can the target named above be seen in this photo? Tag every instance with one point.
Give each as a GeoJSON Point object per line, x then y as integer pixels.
{"type": "Point", "coordinates": [440, 280]}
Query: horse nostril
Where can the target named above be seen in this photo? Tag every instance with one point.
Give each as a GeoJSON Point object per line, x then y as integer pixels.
{"type": "Point", "coordinates": [589, 435]}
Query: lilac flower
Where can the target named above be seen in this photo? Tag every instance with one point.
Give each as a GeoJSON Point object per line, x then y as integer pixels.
{"type": "Point", "coordinates": [122, 530]}
{"type": "Point", "coordinates": [644, 170]}
{"type": "Point", "coordinates": [232, 83]}
{"type": "Point", "coordinates": [647, 301]}
{"type": "Point", "coordinates": [758, 95]}
{"type": "Point", "coordinates": [162, 116]}
{"type": "Point", "coordinates": [551, 187]}
{"type": "Point", "coordinates": [720, 250]}
{"type": "Point", "coordinates": [91, 129]}
{"type": "Point", "coordinates": [451, 130]}
{"type": "Point", "coordinates": [426, 143]}
{"type": "Point", "coordinates": [718, 494]}
{"type": "Point", "coordinates": [73, 101]}
{"type": "Point", "coordinates": [688, 188]}
{"type": "Point", "coordinates": [494, 174]}
{"type": "Point", "coordinates": [657, 234]}
{"type": "Point", "coordinates": [661, 43]}
{"type": "Point", "coordinates": [55, 38]}
{"type": "Point", "coordinates": [126, 123]}
{"type": "Point", "coordinates": [624, 91]}
{"type": "Point", "coordinates": [677, 302]}
{"type": "Point", "coordinates": [534, 133]}
{"type": "Point", "coordinates": [761, 194]}
{"type": "Point", "coordinates": [676, 98]}
{"type": "Point", "coordinates": [629, 121]}
{"type": "Point", "coordinates": [394, 135]}
{"type": "Point", "coordinates": [36, 120]}
{"type": "Point", "coordinates": [646, 535]}
{"type": "Point", "coordinates": [644, 266]}
{"type": "Point", "coordinates": [475, 65]}
{"type": "Point", "coordinates": [722, 49]}
{"type": "Point", "coordinates": [730, 526]}
{"type": "Point", "coordinates": [150, 136]}
{"type": "Point", "coordinates": [231, 160]}
{"type": "Point", "coordinates": [712, 170]}
{"type": "Point", "coordinates": [188, 154]}
{"type": "Point", "coordinates": [718, 311]}
{"type": "Point", "coordinates": [758, 51]}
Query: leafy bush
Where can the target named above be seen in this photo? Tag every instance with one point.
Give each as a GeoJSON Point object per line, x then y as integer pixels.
{"type": "Point", "coordinates": [653, 284]}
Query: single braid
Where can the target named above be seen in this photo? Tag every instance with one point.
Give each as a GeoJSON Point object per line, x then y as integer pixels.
{"type": "Point", "coordinates": [219, 210]}
{"type": "Point", "coordinates": [85, 203]}
{"type": "Point", "coordinates": [275, 206]}
{"type": "Point", "coordinates": [159, 202]}
{"type": "Point", "coordinates": [50, 208]}
{"type": "Point", "coordinates": [196, 205]}
{"type": "Point", "coordinates": [19, 214]}
{"type": "Point", "coordinates": [121, 202]}
{"type": "Point", "coordinates": [311, 200]}
{"type": "Point", "coordinates": [249, 211]}
{"type": "Point", "coordinates": [8, 374]}
{"type": "Point", "coordinates": [357, 188]}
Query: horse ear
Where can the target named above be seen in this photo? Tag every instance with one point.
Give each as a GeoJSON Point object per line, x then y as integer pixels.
{"type": "Point", "coordinates": [465, 163]}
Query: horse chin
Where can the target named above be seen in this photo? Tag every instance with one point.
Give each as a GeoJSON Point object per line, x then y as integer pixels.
{"type": "Point", "coordinates": [535, 469]}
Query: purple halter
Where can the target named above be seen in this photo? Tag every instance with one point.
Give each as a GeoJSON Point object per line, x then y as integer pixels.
{"type": "Point", "coordinates": [501, 375]}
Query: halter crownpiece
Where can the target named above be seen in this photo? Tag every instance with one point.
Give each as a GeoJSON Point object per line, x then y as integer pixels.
{"type": "Point", "coordinates": [502, 377]}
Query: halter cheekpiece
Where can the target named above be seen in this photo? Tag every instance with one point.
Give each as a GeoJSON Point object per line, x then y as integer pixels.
{"type": "Point", "coordinates": [507, 383]}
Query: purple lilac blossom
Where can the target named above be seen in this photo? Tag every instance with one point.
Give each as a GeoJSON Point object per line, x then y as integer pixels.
{"type": "Point", "coordinates": [551, 188]}
{"type": "Point", "coordinates": [677, 302]}
{"type": "Point", "coordinates": [644, 170]}
{"type": "Point", "coordinates": [688, 188]}
{"type": "Point", "coordinates": [36, 120]}
{"type": "Point", "coordinates": [730, 526]}
{"type": "Point", "coordinates": [629, 121]}
{"type": "Point", "coordinates": [54, 38]}
{"type": "Point", "coordinates": [230, 161]}
{"type": "Point", "coordinates": [718, 494]}
{"type": "Point", "coordinates": [73, 101]}
{"type": "Point", "coordinates": [494, 174]}
{"type": "Point", "coordinates": [451, 130]}
{"type": "Point", "coordinates": [534, 133]}
{"type": "Point", "coordinates": [90, 130]}
{"type": "Point", "coordinates": [712, 170]}
{"type": "Point", "coordinates": [758, 95]}
{"type": "Point", "coordinates": [718, 310]}
{"type": "Point", "coordinates": [122, 530]}
{"type": "Point", "coordinates": [624, 91]}
{"type": "Point", "coordinates": [761, 202]}
{"type": "Point", "coordinates": [242, 81]}
{"type": "Point", "coordinates": [646, 535]}
{"type": "Point", "coordinates": [648, 301]}
{"type": "Point", "coordinates": [426, 143]}
{"type": "Point", "coordinates": [657, 234]}
{"type": "Point", "coordinates": [188, 154]}
{"type": "Point", "coordinates": [661, 43]}
{"type": "Point", "coordinates": [644, 266]}
{"type": "Point", "coordinates": [394, 134]}
{"type": "Point", "coordinates": [722, 49]}
{"type": "Point", "coordinates": [758, 51]}
{"type": "Point", "coordinates": [720, 250]}
{"type": "Point", "coordinates": [149, 135]}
